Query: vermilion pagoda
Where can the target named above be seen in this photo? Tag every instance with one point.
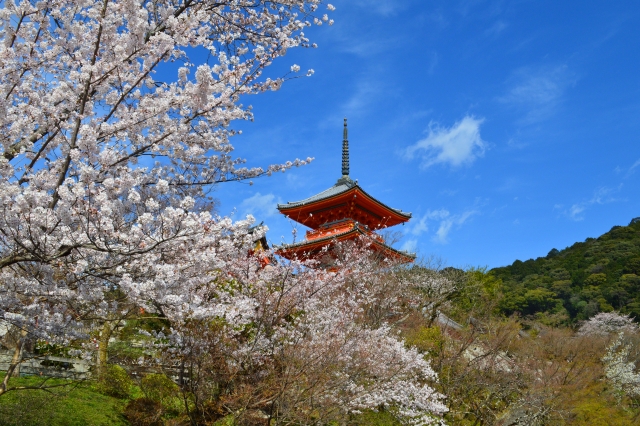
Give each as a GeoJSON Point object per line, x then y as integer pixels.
{"type": "Point", "coordinates": [343, 212]}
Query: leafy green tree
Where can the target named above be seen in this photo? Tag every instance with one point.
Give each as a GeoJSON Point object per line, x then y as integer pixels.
{"type": "Point", "coordinates": [597, 275]}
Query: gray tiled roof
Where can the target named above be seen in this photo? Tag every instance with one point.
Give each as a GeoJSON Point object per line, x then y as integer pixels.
{"type": "Point", "coordinates": [343, 185]}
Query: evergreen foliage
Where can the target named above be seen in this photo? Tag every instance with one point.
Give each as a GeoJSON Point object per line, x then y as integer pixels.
{"type": "Point", "coordinates": [598, 275]}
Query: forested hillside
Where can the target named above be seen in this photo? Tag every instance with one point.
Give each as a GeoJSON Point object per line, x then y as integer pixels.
{"type": "Point", "coordinates": [598, 275]}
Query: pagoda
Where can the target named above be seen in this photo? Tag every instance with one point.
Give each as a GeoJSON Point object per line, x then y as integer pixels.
{"type": "Point", "coordinates": [343, 212]}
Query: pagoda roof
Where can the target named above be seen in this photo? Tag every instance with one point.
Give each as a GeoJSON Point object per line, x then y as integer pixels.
{"type": "Point", "coordinates": [342, 186]}
{"type": "Point", "coordinates": [300, 210]}
{"type": "Point", "coordinates": [310, 247]}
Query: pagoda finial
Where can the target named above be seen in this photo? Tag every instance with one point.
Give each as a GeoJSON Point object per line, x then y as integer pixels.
{"type": "Point", "coordinates": [345, 152]}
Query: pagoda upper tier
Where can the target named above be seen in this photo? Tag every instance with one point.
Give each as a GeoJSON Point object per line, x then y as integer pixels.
{"type": "Point", "coordinates": [345, 199]}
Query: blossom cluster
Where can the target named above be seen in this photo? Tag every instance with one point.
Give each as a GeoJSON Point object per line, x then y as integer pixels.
{"type": "Point", "coordinates": [606, 323]}
{"type": "Point", "coordinates": [620, 369]}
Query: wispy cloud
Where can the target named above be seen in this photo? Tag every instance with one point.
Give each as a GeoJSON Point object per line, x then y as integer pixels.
{"type": "Point", "coordinates": [576, 210]}
{"type": "Point", "coordinates": [420, 226]}
{"type": "Point", "coordinates": [448, 223]}
{"type": "Point", "coordinates": [632, 169]}
{"type": "Point", "coordinates": [455, 145]}
{"type": "Point", "coordinates": [296, 180]}
{"type": "Point", "coordinates": [602, 195]}
{"type": "Point", "coordinates": [366, 42]}
{"type": "Point", "coordinates": [259, 206]}
{"type": "Point", "coordinates": [626, 172]}
{"type": "Point", "coordinates": [410, 245]}
{"type": "Point", "coordinates": [381, 7]}
{"type": "Point", "coordinates": [433, 62]}
{"type": "Point", "coordinates": [479, 8]}
{"type": "Point", "coordinates": [368, 46]}
{"type": "Point", "coordinates": [496, 29]}
{"type": "Point", "coordinates": [361, 99]}
{"type": "Point", "coordinates": [445, 222]}
{"type": "Point", "coordinates": [538, 91]}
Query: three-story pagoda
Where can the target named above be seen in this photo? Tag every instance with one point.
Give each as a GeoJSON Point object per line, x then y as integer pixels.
{"type": "Point", "coordinates": [343, 212]}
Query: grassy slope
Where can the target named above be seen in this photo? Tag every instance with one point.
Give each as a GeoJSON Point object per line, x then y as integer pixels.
{"type": "Point", "coordinates": [65, 406]}
{"type": "Point", "coordinates": [81, 405]}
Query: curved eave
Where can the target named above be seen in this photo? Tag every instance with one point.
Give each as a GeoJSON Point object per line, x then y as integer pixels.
{"type": "Point", "coordinates": [310, 248]}
{"type": "Point", "coordinates": [339, 188]}
{"type": "Point", "coordinates": [300, 210]}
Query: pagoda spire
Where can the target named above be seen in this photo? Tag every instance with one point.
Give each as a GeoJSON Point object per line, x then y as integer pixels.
{"type": "Point", "coordinates": [345, 152]}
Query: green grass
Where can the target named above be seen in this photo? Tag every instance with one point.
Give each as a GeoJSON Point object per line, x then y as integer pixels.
{"type": "Point", "coordinates": [74, 405]}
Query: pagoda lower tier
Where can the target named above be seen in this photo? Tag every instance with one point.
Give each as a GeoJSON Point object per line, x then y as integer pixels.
{"type": "Point", "coordinates": [342, 230]}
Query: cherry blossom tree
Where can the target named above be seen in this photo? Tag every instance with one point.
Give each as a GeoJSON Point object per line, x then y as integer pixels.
{"type": "Point", "coordinates": [606, 323]}
{"type": "Point", "coordinates": [297, 345]}
{"type": "Point", "coordinates": [106, 164]}
{"type": "Point", "coordinates": [620, 367]}
{"type": "Point", "coordinates": [115, 121]}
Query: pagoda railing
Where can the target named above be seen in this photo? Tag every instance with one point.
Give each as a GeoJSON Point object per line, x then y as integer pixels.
{"type": "Point", "coordinates": [339, 227]}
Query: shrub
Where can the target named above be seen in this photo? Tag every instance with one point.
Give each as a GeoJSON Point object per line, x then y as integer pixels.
{"type": "Point", "coordinates": [144, 412]}
{"type": "Point", "coordinates": [115, 382]}
{"type": "Point", "coordinates": [426, 339]}
{"type": "Point", "coordinates": [160, 388]}
{"type": "Point", "coordinates": [374, 418]}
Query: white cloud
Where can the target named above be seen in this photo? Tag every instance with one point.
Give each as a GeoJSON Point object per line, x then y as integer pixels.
{"type": "Point", "coordinates": [410, 246]}
{"type": "Point", "coordinates": [296, 180]}
{"type": "Point", "coordinates": [445, 223]}
{"type": "Point", "coordinates": [366, 93]}
{"type": "Point", "coordinates": [381, 7]}
{"type": "Point", "coordinates": [575, 212]}
{"type": "Point", "coordinates": [368, 46]}
{"type": "Point", "coordinates": [437, 214]}
{"type": "Point", "coordinates": [420, 226]}
{"type": "Point", "coordinates": [456, 145]}
{"type": "Point", "coordinates": [601, 195]}
{"type": "Point", "coordinates": [433, 62]}
{"type": "Point", "coordinates": [449, 192]}
{"type": "Point", "coordinates": [496, 29]}
{"type": "Point", "coordinates": [443, 231]}
{"type": "Point", "coordinates": [627, 171]}
{"type": "Point", "coordinates": [259, 206]}
{"type": "Point", "coordinates": [442, 234]}
{"type": "Point", "coordinates": [538, 91]}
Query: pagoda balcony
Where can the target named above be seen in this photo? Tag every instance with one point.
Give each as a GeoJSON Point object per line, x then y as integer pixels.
{"type": "Point", "coordinates": [338, 227]}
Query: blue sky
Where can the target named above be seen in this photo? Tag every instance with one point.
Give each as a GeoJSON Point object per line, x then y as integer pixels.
{"type": "Point", "coordinates": [507, 128]}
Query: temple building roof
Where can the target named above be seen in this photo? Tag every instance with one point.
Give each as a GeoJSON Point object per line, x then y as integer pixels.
{"type": "Point", "coordinates": [342, 186]}
{"type": "Point", "coordinates": [346, 199]}
{"type": "Point", "coordinates": [337, 189]}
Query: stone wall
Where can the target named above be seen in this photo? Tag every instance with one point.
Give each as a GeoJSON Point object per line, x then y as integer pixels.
{"type": "Point", "coordinates": [47, 366]}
